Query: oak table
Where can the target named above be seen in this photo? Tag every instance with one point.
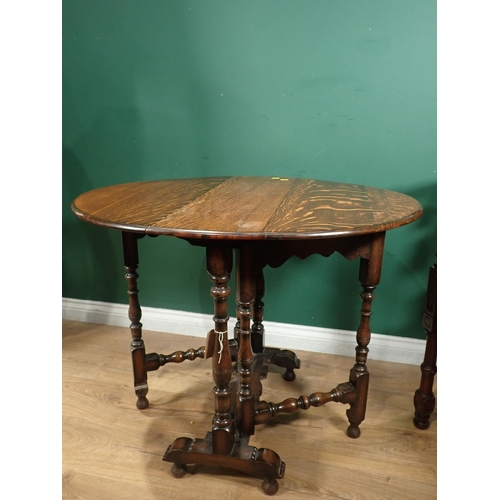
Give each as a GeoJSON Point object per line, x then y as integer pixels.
{"type": "Point", "coordinates": [264, 221]}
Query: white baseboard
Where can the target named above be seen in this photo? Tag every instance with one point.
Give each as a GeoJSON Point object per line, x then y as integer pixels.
{"type": "Point", "coordinates": [286, 336]}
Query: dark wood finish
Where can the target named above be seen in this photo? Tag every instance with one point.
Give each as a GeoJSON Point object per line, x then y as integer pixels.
{"type": "Point", "coordinates": [343, 393]}
{"type": "Point", "coordinates": [424, 399]}
{"type": "Point", "coordinates": [245, 404]}
{"type": "Point", "coordinates": [265, 221]}
{"type": "Point", "coordinates": [278, 357]}
{"type": "Point", "coordinates": [131, 258]}
{"type": "Point", "coordinates": [219, 266]}
{"type": "Point", "coordinates": [259, 462]}
{"type": "Point", "coordinates": [258, 312]}
{"type": "Point", "coordinates": [154, 360]}
{"type": "Point", "coordinates": [369, 276]}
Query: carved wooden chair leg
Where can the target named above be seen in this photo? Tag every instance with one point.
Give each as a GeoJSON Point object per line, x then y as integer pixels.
{"type": "Point", "coordinates": [131, 261]}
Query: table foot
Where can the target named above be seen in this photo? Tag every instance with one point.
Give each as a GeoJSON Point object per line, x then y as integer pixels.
{"type": "Point", "coordinates": [257, 462]}
{"type": "Point", "coordinates": [357, 410]}
{"type": "Point", "coordinates": [270, 486]}
{"type": "Point", "coordinates": [353, 431]}
{"type": "Point", "coordinates": [424, 407]}
{"type": "Point", "coordinates": [178, 470]}
{"type": "Point", "coordinates": [142, 403]}
{"type": "Point", "coordinates": [284, 359]}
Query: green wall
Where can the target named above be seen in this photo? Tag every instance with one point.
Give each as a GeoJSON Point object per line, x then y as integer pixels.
{"type": "Point", "coordinates": [342, 90]}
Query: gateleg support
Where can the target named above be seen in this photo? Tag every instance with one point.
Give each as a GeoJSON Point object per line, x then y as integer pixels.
{"type": "Point", "coordinates": [137, 348]}
{"type": "Point", "coordinates": [369, 276]}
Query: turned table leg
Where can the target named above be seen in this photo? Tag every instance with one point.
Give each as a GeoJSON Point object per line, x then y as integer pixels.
{"type": "Point", "coordinates": [369, 276]}
{"type": "Point", "coordinates": [233, 422]}
{"type": "Point", "coordinates": [424, 399]}
{"type": "Point", "coordinates": [258, 312]}
{"type": "Point", "coordinates": [219, 266]}
{"type": "Point", "coordinates": [257, 337]}
{"type": "Point", "coordinates": [283, 358]}
{"type": "Point", "coordinates": [246, 283]}
{"type": "Point", "coordinates": [131, 260]}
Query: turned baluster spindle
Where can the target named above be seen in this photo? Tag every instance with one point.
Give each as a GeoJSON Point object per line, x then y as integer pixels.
{"type": "Point", "coordinates": [258, 313]}
{"type": "Point", "coordinates": [369, 277]}
{"type": "Point", "coordinates": [245, 278]}
{"type": "Point", "coordinates": [363, 335]}
{"type": "Point", "coordinates": [219, 265]}
{"type": "Point", "coordinates": [131, 261]}
{"type": "Point", "coordinates": [343, 393]}
{"type": "Point", "coordinates": [180, 356]}
{"type": "Point", "coordinates": [154, 360]}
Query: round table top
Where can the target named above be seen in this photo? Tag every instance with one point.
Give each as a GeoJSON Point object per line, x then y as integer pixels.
{"type": "Point", "coordinates": [247, 208]}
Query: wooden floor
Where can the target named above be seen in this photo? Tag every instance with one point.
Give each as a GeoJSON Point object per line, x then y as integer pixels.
{"type": "Point", "coordinates": [111, 450]}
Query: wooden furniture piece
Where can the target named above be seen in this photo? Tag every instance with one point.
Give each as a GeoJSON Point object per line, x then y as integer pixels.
{"type": "Point", "coordinates": [264, 221]}
{"type": "Point", "coordinates": [424, 399]}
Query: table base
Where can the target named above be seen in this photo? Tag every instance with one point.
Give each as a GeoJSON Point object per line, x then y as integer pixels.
{"type": "Point", "coordinates": [258, 462]}
{"type": "Point", "coordinates": [239, 364]}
